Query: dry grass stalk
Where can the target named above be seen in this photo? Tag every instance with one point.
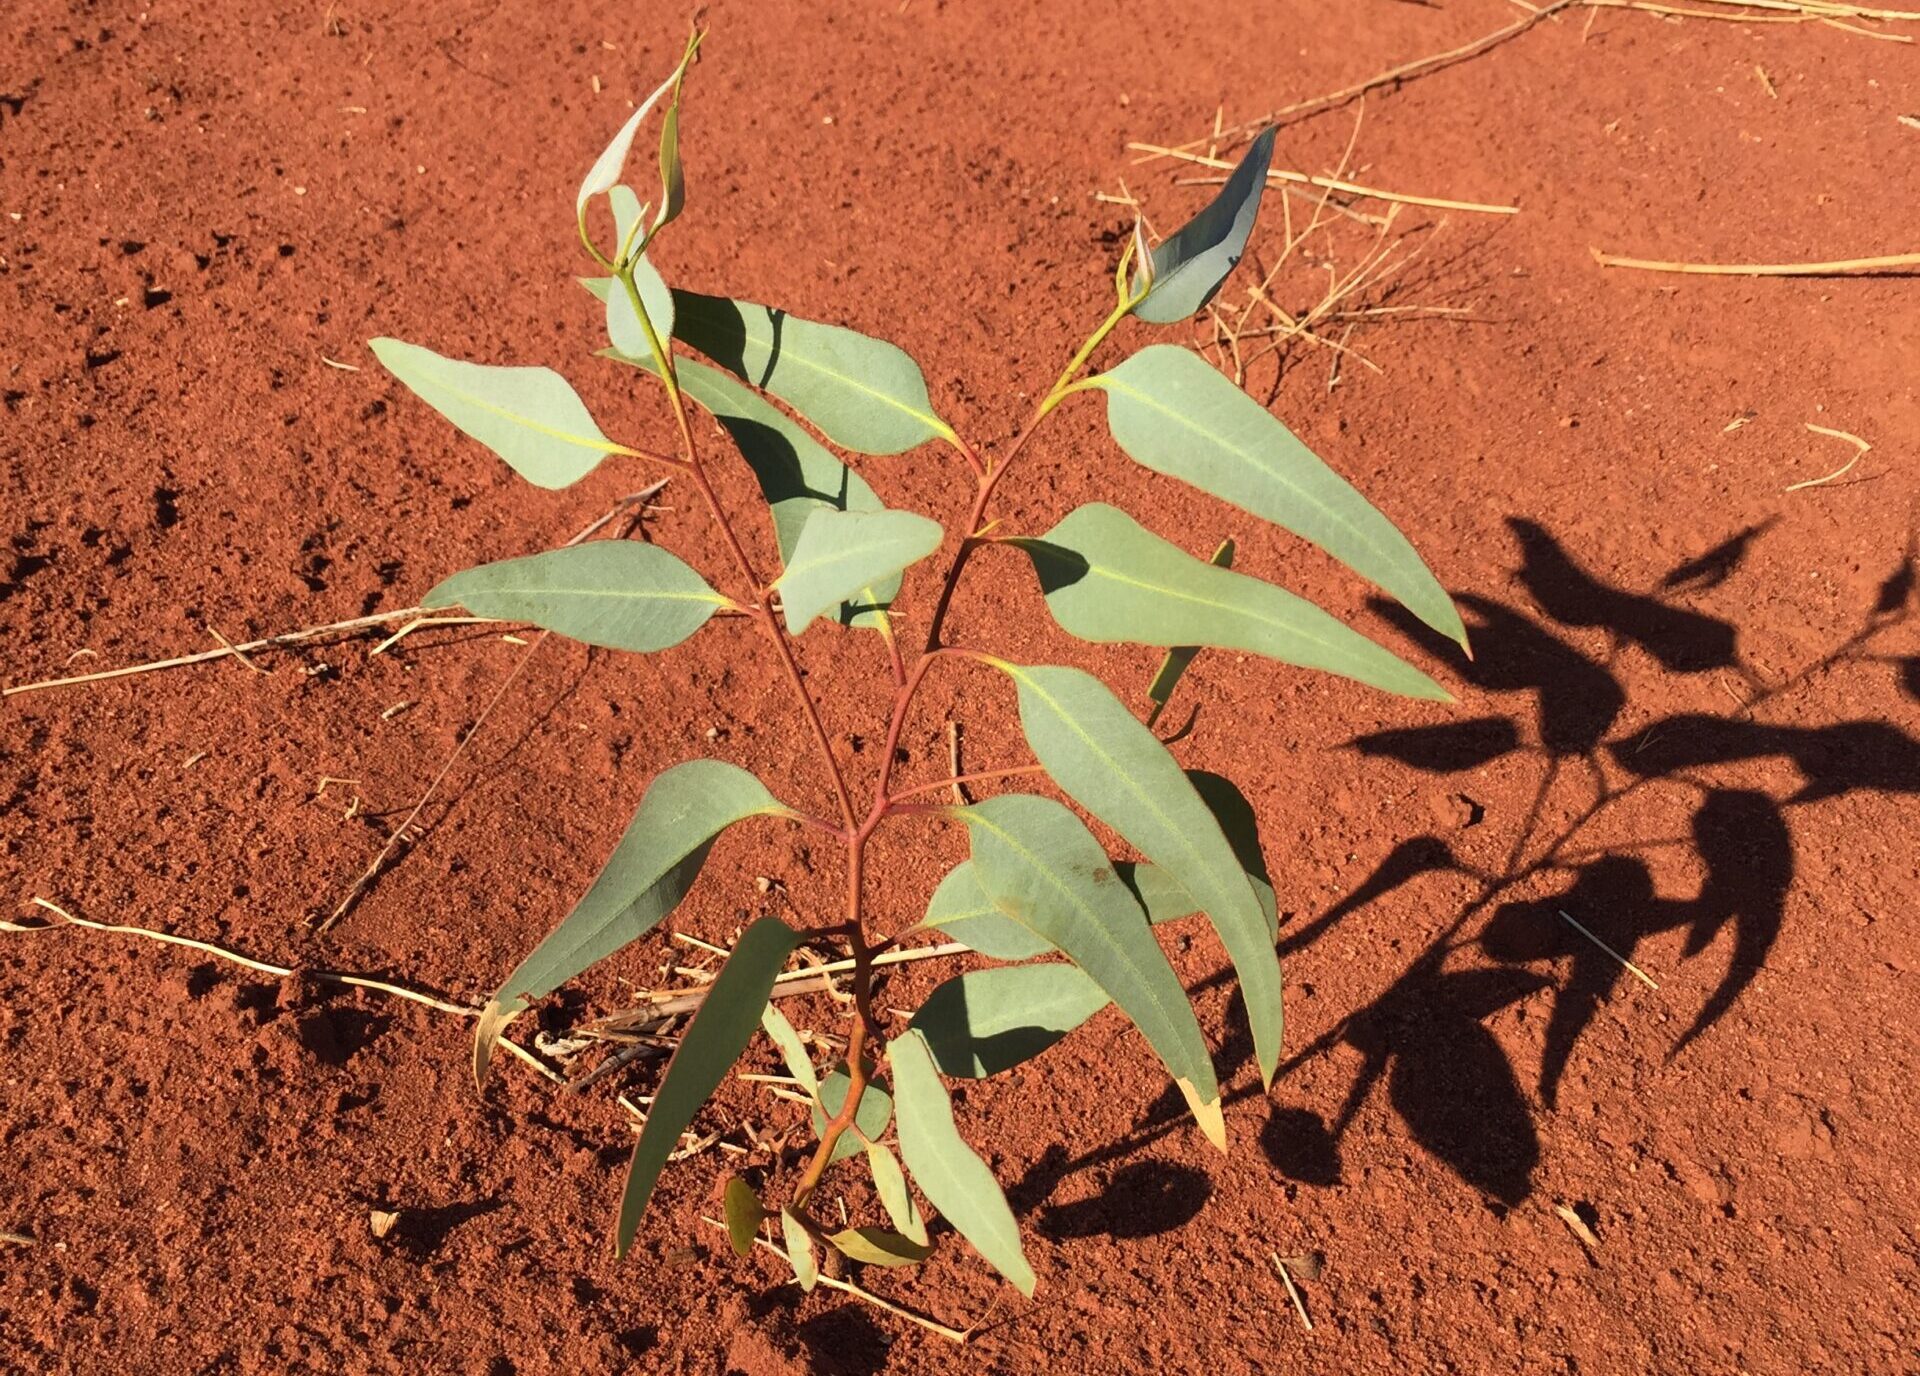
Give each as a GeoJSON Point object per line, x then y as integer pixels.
{"type": "Point", "coordinates": [1834, 268]}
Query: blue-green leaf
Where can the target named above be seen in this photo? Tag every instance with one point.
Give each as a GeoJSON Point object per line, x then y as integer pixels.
{"type": "Point", "coordinates": [864, 394]}
{"type": "Point", "coordinates": [890, 1183]}
{"type": "Point", "coordinates": [708, 1048]}
{"type": "Point", "coordinates": [624, 330]}
{"type": "Point", "coordinates": [528, 416]}
{"type": "Point", "coordinates": [1042, 868]}
{"type": "Point", "coordinates": [799, 1249]}
{"type": "Point", "coordinates": [1174, 412]}
{"type": "Point", "coordinates": [870, 1119]}
{"type": "Point", "coordinates": [986, 1021]}
{"type": "Point", "coordinates": [799, 1063]}
{"type": "Point", "coordinates": [840, 553]}
{"type": "Point", "coordinates": [962, 912]}
{"type": "Point", "coordinates": [648, 874]}
{"type": "Point", "coordinates": [1107, 578]}
{"type": "Point", "coordinates": [620, 594]}
{"type": "Point", "coordinates": [1105, 760]}
{"type": "Point", "coordinates": [954, 1180]}
{"type": "Point", "coordinates": [1189, 266]}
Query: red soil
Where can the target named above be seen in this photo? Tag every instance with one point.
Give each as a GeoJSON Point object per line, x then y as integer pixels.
{"type": "Point", "coordinates": [204, 203]}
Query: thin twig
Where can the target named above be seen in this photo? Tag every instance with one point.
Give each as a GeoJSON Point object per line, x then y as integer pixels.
{"type": "Point", "coordinates": [1834, 268]}
{"type": "Point", "coordinates": [1333, 183]}
{"type": "Point", "coordinates": [1286, 1279]}
{"type": "Point", "coordinates": [1628, 965]}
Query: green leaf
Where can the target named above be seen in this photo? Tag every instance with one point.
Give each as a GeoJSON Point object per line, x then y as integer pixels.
{"type": "Point", "coordinates": [870, 1119]}
{"type": "Point", "coordinates": [864, 394]}
{"type": "Point", "coordinates": [1174, 412]}
{"type": "Point", "coordinates": [621, 594]}
{"type": "Point", "coordinates": [627, 214]}
{"type": "Point", "coordinates": [797, 474]}
{"type": "Point", "coordinates": [1105, 760]}
{"type": "Point", "coordinates": [1107, 578]}
{"type": "Point", "coordinates": [744, 1215]}
{"type": "Point", "coordinates": [648, 874]}
{"type": "Point", "coordinates": [1042, 867]}
{"type": "Point", "coordinates": [839, 553]}
{"type": "Point", "coordinates": [878, 1247]}
{"type": "Point", "coordinates": [624, 330]}
{"type": "Point", "coordinates": [890, 1183]}
{"type": "Point", "coordinates": [1189, 266]}
{"type": "Point", "coordinates": [673, 178]}
{"type": "Point", "coordinates": [1179, 657]}
{"type": "Point", "coordinates": [986, 1021]}
{"type": "Point", "coordinates": [708, 1048]}
{"type": "Point", "coordinates": [799, 1063]}
{"type": "Point", "coordinates": [528, 416]}
{"type": "Point", "coordinates": [962, 912]}
{"type": "Point", "coordinates": [956, 1181]}
{"type": "Point", "coordinates": [799, 1250]}
{"type": "Point", "coordinates": [604, 175]}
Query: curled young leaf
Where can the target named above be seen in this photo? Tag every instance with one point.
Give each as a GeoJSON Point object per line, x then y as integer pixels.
{"type": "Point", "coordinates": [528, 416]}
{"type": "Point", "coordinates": [708, 1048]}
{"type": "Point", "coordinates": [839, 553]}
{"type": "Point", "coordinates": [619, 594]}
{"type": "Point", "coordinates": [956, 1181]}
{"type": "Point", "coordinates": [1175, 413]}
{"type": "Point", "coordinates": [1188, 267]}
{"type": "Point", "coordinates": [605, 173]}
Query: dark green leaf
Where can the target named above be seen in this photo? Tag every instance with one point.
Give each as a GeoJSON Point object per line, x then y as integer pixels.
{"type": "Point", "coordinates": [1042, 867]}
{"type": "Point", "coordinates": [1107, 578]}
{"type": "Point", "coordinates": [528, 416]}
{"type": "Point", "coordinates": [1189, 267]}
{"type": "Point", "coordinates": [986, 1021]}
{"type": "Point", "coordinates": [708, 1048]}
{"type": "Point", "coordinates": [840, 553]}
{"type": "Point", "coordinates": [648, 874]}
{"type": "Point", "coordinates": [871, 1118]}
{"type": "Point", "coordinates": [862, 393]}
{"type": "Point", "coordinates": [618, 593]}
{"type": "Point", "coordinates": [956, 1181]}
{"type": "Point", "coordinates": [744, 1215]}
{"type": "Point", "coordinates": [1174, 412]}
{"type": "Point", "coordinates": [1105, 760]}
{"type": "Point", "coordinates": [878, 1247]}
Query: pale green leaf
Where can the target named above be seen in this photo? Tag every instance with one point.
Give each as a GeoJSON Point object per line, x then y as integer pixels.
{"type": "Point", "coordinates": [954, 1180]}
{"type": "Point", "coordinates": [1190, 265]}
{"type": "Point", "coordinates": [799, 1250]}
{"type": "Point", "coordinates": [792, 1050]}
{"type": "Point", "coordinates": [1105, 760]}
{"type": "Point", "coordinates": [890, 1183]}
{"type": "Point", "coordinates": [744, 1214]}
{"type": "Point", "coordinates": [604, 175]}
{"type": "Point", "coordinates": [797, 474]}
{"type": "Point", "coordinates": [986, 1021]}
{"type": "Point", "coordinates": [1042, 867]}
{"type": "Point", "coordinates": [648, 874]}
{"type": "Point", "coordinates": [530, 417]}
{"type": "Point", "coordinates": [864, 394]}
{"type": "Point", "coordinates": [673, 178]}
{"type": "Point", "coordinates": [869, 1120]}
{"type": "Point", "coordinates": [708, 1048]}
{"type": "Point", "coordinates": [839, 553]}
{"type": "Point", "coordinates": [962, 912]}
{"type": "Point", "coordinates": [627, 215]}
{"type": "Point", "coordinates": [1174, 412]}
{"type": "Point", "coordinates": [624, 331]}
{"type": "Point", "coordinates": [1107, 578]}
{"type": "Point", "coordinates": [1179, 657]}
{"type": "Point", "coordinates": [878, 1247]}
{"type": "Point", "coordinates": [620, 594]}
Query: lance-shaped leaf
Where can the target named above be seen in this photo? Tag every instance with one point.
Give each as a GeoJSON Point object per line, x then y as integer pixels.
{"type": "Point", "coordinates": [708, 1048]}
{"type": "Point", "coordinates": [956, 1181]}
{"type": "Point", "coordinates": [799, 1063]}
{"type": "Point", "coordinates": [1189, 267]}
{"type": "Point", "coordinates": [870, 1119]}
{"type": "Point", "coordinates": [797, 474]}
{"type": "Point", "coordinates": [648, 874]}
{"type": "Point", "coordinates": [890, 1183]}
{"type": "Point", "coordinates": [1179, 657]}
{"type": "Point", "coordinates": [605, 173]}
{"type": "Point", "coordinates": [878, 1247]}
{"type": "Point", "coordinates": [985, 1021]}
{"type": "Point", "coordinates": [624, 331]}
{"type": "Point", "coordinates": [744, 1214]}
{"type": "Point", "coordinates": [864, 394]}
{"type": "Point", "coordinates": [1108, 578]}
{"type": "Point", "coordinates": [962, 912]}
{"type": "Point", "coordinates": [1163, 897]}
{"type": "Point", "coordinates": [1042, 867]}
{"type": "Point", "coordinates": [621, 594]}
{"type": "Point", "coordinates": [1105, 760]}
{"type": "Point", "coordinates": [799, 1250]}
{"type": "Point", "coordinates": [1174, 412]}
{"type": "Point", "coordinates": [528, 416]}
{"type": "Point", "coordinates": [839, 553]}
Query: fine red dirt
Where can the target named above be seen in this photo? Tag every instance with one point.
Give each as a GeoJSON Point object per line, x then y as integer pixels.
{"type": "Point", "coordinates": [204, 204]}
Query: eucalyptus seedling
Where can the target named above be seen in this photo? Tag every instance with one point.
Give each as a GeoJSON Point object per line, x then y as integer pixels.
{"type": "Point", "coordinates": [1068, 929]}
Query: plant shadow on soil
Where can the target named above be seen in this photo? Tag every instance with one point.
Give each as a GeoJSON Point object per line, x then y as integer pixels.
{"type": "Point", "coordinates": [1446, 1075]}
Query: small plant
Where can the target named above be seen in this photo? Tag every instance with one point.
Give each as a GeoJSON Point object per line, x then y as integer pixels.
{"type": "Point", "coordinates": [1073, 928]}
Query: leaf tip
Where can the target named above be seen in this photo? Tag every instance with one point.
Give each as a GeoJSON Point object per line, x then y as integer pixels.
{"type": "Point", "coordinates": [1208, 1114]}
